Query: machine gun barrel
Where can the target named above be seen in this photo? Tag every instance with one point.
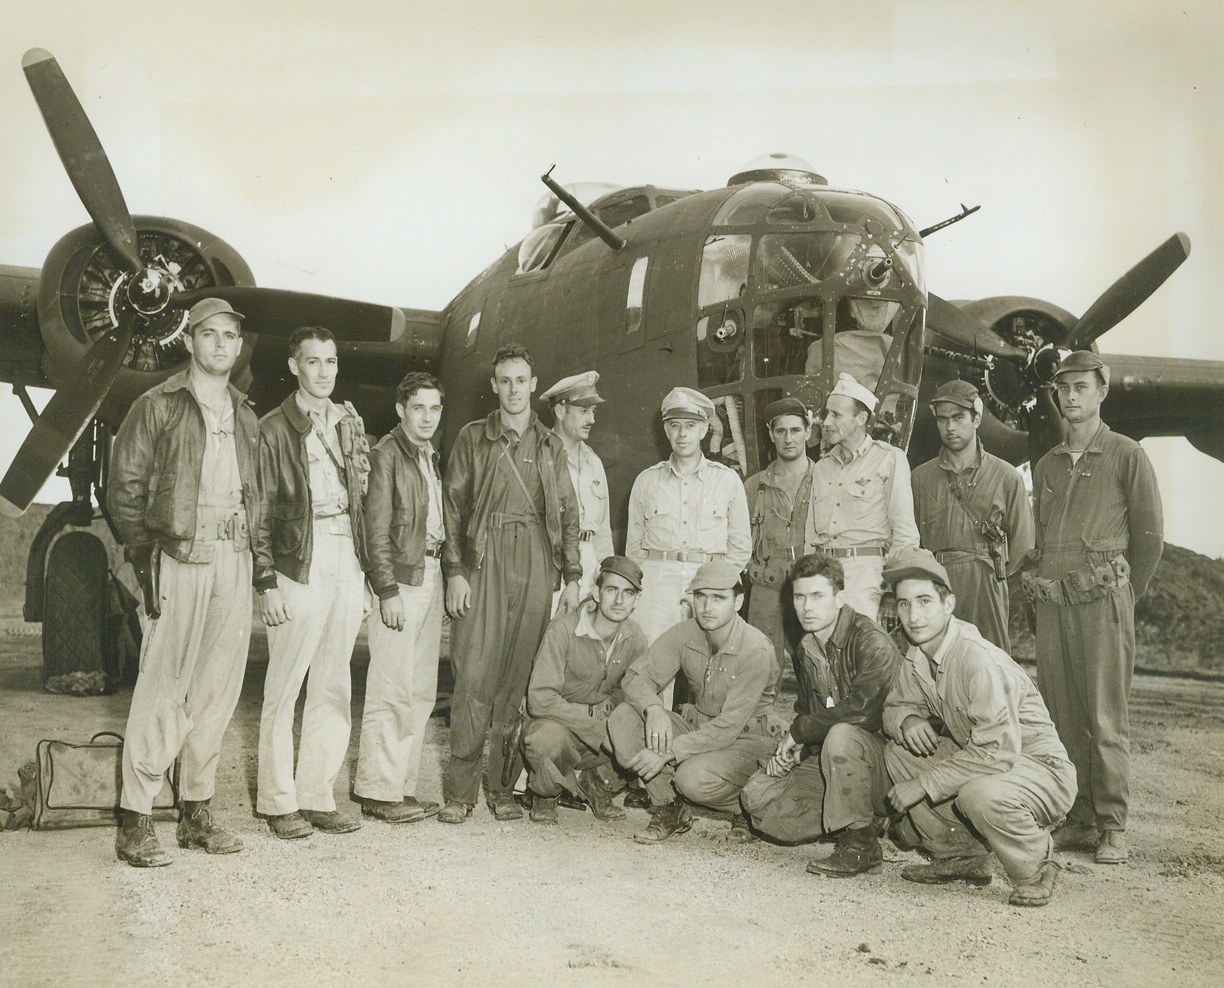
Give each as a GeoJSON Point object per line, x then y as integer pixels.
{"type": "Point", "coordinates": [598, 226]}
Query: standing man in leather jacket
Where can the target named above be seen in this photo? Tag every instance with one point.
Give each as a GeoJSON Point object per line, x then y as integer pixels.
{"type": "Point", "coordinates": [511, 536]}
{"type": "Point", "coordinates": [309, 553]}
{"type": "Point", "coordinates": [403, 536]}
{"type": "Point", "coordinates": [182, 494]}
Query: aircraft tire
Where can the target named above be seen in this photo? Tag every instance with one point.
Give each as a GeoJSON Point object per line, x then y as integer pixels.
{"type": "Point", "coordinates": [76, 604]}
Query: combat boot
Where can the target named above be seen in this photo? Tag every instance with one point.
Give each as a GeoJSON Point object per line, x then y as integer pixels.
{"type": "Point", "coordinates": [857, 852]}
{"type": "Point", "coordinates": [740, 832]}
{"type": "Point", "coordinates": [974, 869]}
{"type": "Point", "coordinates": [1111, 848]}
{"type": "Point", "coordinates": [136, 843]}
{"type": "Point", "coordinates": [598, 796]}
{"type": "Point", "coordinates": [1075, 837]}
{"type": "Point", "coordinates": [196, 829]}
{"type": "Point", "coordinates": [544, 809]}
{"type": "Point", "coordinates": [1038, 890]}
{"type": "Point", "coordinates": [670, 818]}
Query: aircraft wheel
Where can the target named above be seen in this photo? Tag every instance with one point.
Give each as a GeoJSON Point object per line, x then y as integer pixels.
{"type": "Point", "coordinates": [77, 594]}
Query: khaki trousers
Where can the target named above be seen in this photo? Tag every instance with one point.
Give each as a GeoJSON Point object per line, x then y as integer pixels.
{"type": "Point", "coordinates": [1010, 813]}
{"type": "Point", "coordinates": [318, 638]}
{"type": "Point", "coordinates": [191, 666]}
{"type": "Point", "coordinates": [712, 778]}
{"type": "Point", "coordinates": [401, 689]}
{"type": "Point", "coordinates": [864, 584]}
{"type": "Point", "coordinates": [554, 753]}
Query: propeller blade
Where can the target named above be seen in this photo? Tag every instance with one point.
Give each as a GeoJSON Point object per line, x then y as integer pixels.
{"type": "Point", "coordinates": [63, 420]}
{"type": "Point", "coordinates": [953, 322]}
{"type": "Point", "coordinates": [1045, 425]}
{"type": "Point", "coordinates": [277, 312]}
{"type": "Point", "coordinates": [1130, 291]}
{"type": "Point", "coordinates": [81, 152]}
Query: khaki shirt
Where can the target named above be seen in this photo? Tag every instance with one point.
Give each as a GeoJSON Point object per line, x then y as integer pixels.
{"type": "Point", "coordinates": [778, 524]}
{"type": "Point", "coordinates": [591, 485]}
{"type": "Point", "coordinates": [435, 534]}
{"type": "Point", "coordinates": [988, 704]}
{"type": "Point", "coordinates": [863, 500]}
{"type": "Point", "coordinates": [706, 511]}
{"type": "Point", "coordinates": [328, 494]}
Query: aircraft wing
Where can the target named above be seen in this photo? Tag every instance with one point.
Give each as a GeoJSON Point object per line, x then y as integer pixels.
{"type": "Point", "coordinates": [1166, 396]}
{"type": "Point", "coordinates": [21, 343]}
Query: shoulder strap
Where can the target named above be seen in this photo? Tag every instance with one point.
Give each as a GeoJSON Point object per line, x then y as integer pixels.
{"type": "Point", "coordinates": [515, 470]}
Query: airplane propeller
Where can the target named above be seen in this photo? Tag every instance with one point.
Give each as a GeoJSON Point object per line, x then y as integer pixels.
{"type": "Point", "coordinates": [83, 156]}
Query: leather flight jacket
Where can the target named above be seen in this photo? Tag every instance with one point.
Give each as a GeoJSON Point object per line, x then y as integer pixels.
{"type": "Point", "coordinates": [154, 483]}
{"type": "Point", "coordinates": [396, 512]}
{"type": "Point", "coordinates": [283, 542]}
{"type": "Point", "coordinates": [468, 493]}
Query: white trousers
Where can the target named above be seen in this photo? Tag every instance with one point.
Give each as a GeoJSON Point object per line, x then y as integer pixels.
{"type": "Point", "coordinates": [664, 602]}
{"type": "Point", "coordinates": [318, 638]}
{"type": "Point", "coordinates": [864, 586]}
{"type": "Point", "coordinates": [401, 688]}
{"type": "Point", "coordinates": [191, 664]}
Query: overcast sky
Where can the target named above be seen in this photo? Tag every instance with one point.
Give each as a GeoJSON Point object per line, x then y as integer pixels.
{"type": "Point", "coordinates": [388, 153]}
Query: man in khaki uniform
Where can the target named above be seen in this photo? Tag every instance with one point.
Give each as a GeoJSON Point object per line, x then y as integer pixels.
{"type": "Point", "coordinates": [189, 545]}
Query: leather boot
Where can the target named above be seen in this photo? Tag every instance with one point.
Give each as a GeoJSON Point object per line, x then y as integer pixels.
{"type": "Point", "coordinates": [1039, 890]}
{"type": "Point", "coordinates": [670, 818]}
{"type": "Point", "coordinates": [975, 869]}
{"type": "Point", "coordinates": [598, 796]}
{"type": "Point", "coordinates": [544, 809]}
{"type": "Point", "coordinates": [136, 843]}
{"type": "Point", "coordinates": [196, 829]}
{"type": "Point", "coordinates": [857, 852]}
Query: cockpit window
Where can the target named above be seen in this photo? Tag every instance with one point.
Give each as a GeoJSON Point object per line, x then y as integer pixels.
{"type": "Point", "coordinates": [724, 268]}
{"type": "Point", "coordinates": [633, 300]}
{"type": "Point", "coordinates": [788, 260]}
{"type": "Point", "coordinates": [783, 332]}
{"type": "Point", "coordinates": [863, 334]}
{"type": "Point", "coordinates": [540, 246]}
{"type": "Point", "coordinates": [851, 207]}
{"type": "Point", "coordinates": [749, 204]}
{"type": "Point", "coordinates": [613, 214]}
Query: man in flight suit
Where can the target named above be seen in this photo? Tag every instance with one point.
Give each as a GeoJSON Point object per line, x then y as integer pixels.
{"type": "Point", "coordinates": [973, 513]}
{"type": "Point", "coordinates": [511, 538]}
{"type": "Point", "coordinates": [187, 539]}
{"type": "Point", "coordinates": [712, 747]}
{"type": "Point", "coordinates": [779, 498]}
{"type": "Point", "coordinates": [573, 400]}
{"type": "Point", "coordinates": [862, 504]}
{"type": "Point", "coordinates": [575, 685]}
{"type": "Point", "coordinates": [1100, 534]}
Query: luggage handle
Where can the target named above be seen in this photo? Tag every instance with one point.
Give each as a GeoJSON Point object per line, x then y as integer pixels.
{"type": "Point", "coordinates": [106, 734]}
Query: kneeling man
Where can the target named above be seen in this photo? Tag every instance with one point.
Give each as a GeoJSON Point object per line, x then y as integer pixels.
{"type": "Point", "coordinates": [997, 763]}
{"type": "Point", "coordinates": [844, 666]}
{"type": "Point", "coordinates": [711, 748]}
{"type": "Point", "coordinates": [575, 685]}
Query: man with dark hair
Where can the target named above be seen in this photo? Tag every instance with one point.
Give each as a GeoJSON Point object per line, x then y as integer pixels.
{"type": "Point", "coordinates": [573, 400]}
{"type": "Point", "coordinates": [973, 513]}
{"type": "Point", "coordinates": [779, 498]}
{"type": "Point", "coordinates": [309, 561]}
{"type": "Point", "coordinates": [575, 685]}
{"type": "Point", "coordinates": [972, 742]}
{"type": "Point", "coordinates": [1100, 535]}
{"type": "Point", "coordinates": [710, 749]}
{"type": "Point", "coordinates": [187, 538]}
{"type": "Point", "coordinates": [511, 536]}
{"type": "Point", "coordinates": [862, 504]}
{"type": "Point", "coordinates": [403, 536]}
{"type": "Point", "coordinates": [844, 666]}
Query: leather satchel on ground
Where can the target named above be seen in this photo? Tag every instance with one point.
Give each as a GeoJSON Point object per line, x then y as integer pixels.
{"type": "Point", "coordinates": [78, 785]}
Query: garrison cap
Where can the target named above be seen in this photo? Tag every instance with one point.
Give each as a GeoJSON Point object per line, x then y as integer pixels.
{"type": "Point", "coordinates": [959, 393]}
{"type": "Point", "coordinates": [714, 576]}
{"type": "Point", "coordinates": [785, 406]}
{"type": "Point", "coordinates": [1082, 360]}
{"type": "Point", "coordinates": [206, 308]}
{"type": "Point", "coordinates": [850, 388]}
{"type": "Point", "coordinates": [914, 564]}
{"type": "Point", "coordinates": [686, 403]}
{"type": "Point", "coordinates": [623, 566]}
{"type": "Point", "coordinates": [578, 389]}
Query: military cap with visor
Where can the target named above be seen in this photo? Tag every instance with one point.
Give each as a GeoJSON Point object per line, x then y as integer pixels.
{"type": "Point", "coordinates": [1083, 361]}
{"type": "Point", "coordinates": [687, 403]}
{"type": "Point", "coordinates": [206, 308]}
{"type": "Point", "coordinates": [577, 389]}
{"type": "Point", "coordinates": [915, 564]}
{"type": "Point", "coordinates": [714, 576]}
{"type": "Point", "coordinates": [622, 566]}
{"type": "Point", "coordinates": [960, 393]}
{"type": "Point", "coordinates": [785, 406]}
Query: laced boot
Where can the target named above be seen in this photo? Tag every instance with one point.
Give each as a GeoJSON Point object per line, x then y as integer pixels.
{"type": "Point", "coordinates": [975, 869]}
{"type": "Point", "coordinates": [857, 852]}
{"type": "Point", "coordinates": [670, 818]}
{"type": "Point", "coordinates": [1111, 848]}
{"type": "Point", "coordinates": [1038, 891]}
{"type": "Point", "coordinates": [196, 829]}
{"type": "Point", "coordinates": [598, 796]}
{"type": "Point", "coordinates": [136, 843]}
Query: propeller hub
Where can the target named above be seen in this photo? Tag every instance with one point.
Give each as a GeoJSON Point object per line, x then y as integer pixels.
{"type": "Point", "coordinates": [1044, 363]}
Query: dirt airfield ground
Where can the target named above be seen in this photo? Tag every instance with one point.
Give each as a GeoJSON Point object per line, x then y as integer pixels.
{"type": "Point", "coordinates": [517, 904]}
